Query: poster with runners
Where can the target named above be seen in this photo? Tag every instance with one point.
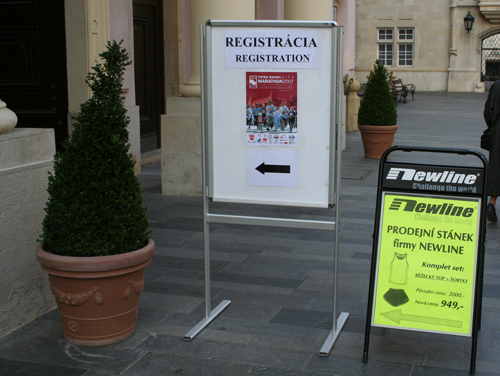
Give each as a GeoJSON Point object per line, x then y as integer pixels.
{"type": "Point", "coordinates": [271, 108]}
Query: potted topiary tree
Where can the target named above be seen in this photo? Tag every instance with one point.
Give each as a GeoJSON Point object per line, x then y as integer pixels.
{"type": "Point", "coordinates": [377, 114]}
{"type": "Point", "coordinates": [95, 240]}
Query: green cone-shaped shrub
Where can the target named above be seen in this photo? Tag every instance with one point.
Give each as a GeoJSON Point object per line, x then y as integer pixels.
{"type": "Point", "coordinates": [95, 205]}
{"type": "Point", "coordinates": [377, 106]}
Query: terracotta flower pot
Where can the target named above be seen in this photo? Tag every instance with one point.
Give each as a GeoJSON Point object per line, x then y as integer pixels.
{"type": "Point", "coordinates": [377, 139]}
{"type": "Point", "coordinates": [97, 297]}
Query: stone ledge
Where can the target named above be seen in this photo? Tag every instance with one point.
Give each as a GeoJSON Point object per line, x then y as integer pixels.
{"type": "Point", "coordinates": [183, 107]}
{"type": "Point", "coordinates": [26, 146]}
{"type": "Point", "coordinates": [150, 157]}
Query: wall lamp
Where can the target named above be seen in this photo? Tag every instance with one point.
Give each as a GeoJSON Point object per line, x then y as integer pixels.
{"type": "Point", "coordinates": [468, 21]}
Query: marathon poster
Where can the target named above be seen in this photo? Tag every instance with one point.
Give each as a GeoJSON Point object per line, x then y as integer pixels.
{"type": "Point", "coordinates": [271, 109]}
{"type": "Point", "coordinates": [426, 267]}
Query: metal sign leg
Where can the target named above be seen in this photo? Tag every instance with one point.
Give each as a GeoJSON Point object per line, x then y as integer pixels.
{"type": "Point", "coordinates": [210, 314]}
{"type": "Point", "coordinates": [334, 333]}
{"type": "Point", "coordinates": [206, 321]}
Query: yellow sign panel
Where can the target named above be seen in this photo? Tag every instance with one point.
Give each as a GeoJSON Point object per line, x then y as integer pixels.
{"type": "Point", "coordinates": [426, 263]}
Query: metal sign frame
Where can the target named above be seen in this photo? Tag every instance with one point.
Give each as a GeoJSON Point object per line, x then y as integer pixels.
{"type": "Point", "coordinates": [334, 168]}
{"type": "Point", "coordinates": [229, 178]}
{"type": "Point", "coordinates": [391, 183]}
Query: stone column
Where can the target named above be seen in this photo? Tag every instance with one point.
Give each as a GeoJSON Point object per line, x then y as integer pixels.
{"type": "Point", "coordinates": [87, 32]}
{"type": "Point", "coordinates": [315, 10]}
{"type": "Point", "coordinates": [341, 11]}
{"type": "Point", "coordinates": [464, 70]}
{"type": "Point", "coordinates": [88, 29]}
{"type": "Point", "coordinates": [121, 25]}
{"type": "Point", "coordinates": [201, 11]}
{"type": "Point", "coordinates": [181, 126]}
{"type": "Point", "coordinates": [320, 10]}
{"type": "Point", "coordinates": [346, 17]}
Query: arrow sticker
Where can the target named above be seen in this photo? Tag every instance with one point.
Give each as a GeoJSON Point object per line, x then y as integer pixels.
{"type": "Point", "coordinates": [273, 168]}
{"type": "Point", "coordinates": [397, 316]}
{"type": "Point", "coordinates": [277, 169]}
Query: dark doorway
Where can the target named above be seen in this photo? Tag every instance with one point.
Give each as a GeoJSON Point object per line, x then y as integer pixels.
{"type": "Point", "coordinates": [33, 80]}
{"type": "Point", "coordinates": [148, 65]}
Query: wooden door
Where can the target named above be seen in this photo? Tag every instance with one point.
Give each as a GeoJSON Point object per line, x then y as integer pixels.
{"type": "Point", "coordinates": [148, 65]}
{"type": "Point", "coordinates": [33, 79]}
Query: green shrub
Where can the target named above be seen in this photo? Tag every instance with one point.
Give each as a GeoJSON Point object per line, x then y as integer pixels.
{"type": "Point", "coordinates": [95, 205]}
{"type": "Point", "coordinates": [377, 106]}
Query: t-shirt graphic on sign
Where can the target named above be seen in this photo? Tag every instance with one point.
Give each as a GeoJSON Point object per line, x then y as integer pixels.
{"type": "Point", "coordinates": [399, 276]}
{"type": "Point", "coordinates": [399, 269]}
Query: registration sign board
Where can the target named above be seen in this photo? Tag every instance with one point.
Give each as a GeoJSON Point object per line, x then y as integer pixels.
{"type": "Point", "coordinates": [271, 121]}
{"type": "Point", "coordinates": [273, 94]}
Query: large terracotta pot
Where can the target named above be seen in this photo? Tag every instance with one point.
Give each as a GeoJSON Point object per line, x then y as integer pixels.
{"type": "Point", "coordinates": [97, 297]}
{"type": "Point", "coordinates": [377, 139]}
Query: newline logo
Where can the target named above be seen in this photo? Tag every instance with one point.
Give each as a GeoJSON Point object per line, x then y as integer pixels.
{"type": "Point", "coordinates": [446, 208]}
{"type": "Point", "coordinates": [432, 177]}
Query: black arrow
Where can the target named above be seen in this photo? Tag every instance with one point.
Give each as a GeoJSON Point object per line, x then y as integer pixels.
{"type": "Point", "coordinates": [277, 169]}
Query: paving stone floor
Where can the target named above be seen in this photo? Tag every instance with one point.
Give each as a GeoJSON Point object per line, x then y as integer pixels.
{"type": "Point", "coordinates": [279, 282]}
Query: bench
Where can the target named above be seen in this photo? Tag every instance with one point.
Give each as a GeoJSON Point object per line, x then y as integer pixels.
{"type": "Point", "coordinates": [400, 91]}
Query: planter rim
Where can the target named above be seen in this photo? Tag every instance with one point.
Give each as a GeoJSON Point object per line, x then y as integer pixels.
{"type": "Point", "coordinates": [378, 127]}
{"type": "Point", "coordinates": [95, 263]}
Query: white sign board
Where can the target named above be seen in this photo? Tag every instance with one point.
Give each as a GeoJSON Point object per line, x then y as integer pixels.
{"type": "Point", "coordinates": [271, 97]}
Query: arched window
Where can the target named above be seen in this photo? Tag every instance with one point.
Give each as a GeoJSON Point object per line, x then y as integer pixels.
{"type": "Point", "coordinates": [490, 59]}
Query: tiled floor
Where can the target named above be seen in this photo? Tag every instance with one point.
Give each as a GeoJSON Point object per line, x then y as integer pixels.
{"type": "Point", "coordinates": [280, 284]}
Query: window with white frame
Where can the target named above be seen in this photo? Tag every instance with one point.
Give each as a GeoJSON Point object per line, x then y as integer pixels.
{"type": "Point", "coordinates": [405, 34]}
{"type": "Point", "coordinates": [405, 46]}
{"type": "Point", "coordinates": [385, 34]}
{"type": "Point", "coordinates": [406, 41]}
{"type": "Point", "coordinates": [385, 40]}
{"type": "Point", "coordinates": [385, 53]}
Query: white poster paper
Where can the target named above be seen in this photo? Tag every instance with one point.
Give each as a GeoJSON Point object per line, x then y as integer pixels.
{"type": "Point", "coordinates": [273, 168]}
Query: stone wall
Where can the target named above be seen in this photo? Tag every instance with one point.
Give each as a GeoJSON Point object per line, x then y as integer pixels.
{"type": "Point", "coordinates": [431, 22]}
{"type": "Point", "coordinates": [26, 157]}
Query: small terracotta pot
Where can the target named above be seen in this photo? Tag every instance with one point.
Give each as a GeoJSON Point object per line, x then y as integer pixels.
{"type": "Point", "coordinates": [377, 139]}
{"type": "Point", "coordinates": [97, 297]}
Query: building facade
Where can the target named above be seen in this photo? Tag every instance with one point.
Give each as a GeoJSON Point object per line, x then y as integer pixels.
{"type": "Point", "coordinates": [423, 42]}
{"type": "Point", "coordinates": [426, 43]}
{"type": "Point", "coordinates": [51, 46]}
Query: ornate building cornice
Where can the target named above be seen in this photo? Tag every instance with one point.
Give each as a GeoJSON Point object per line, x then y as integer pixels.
{"type": "Point", "coordinates": [490, 9]}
